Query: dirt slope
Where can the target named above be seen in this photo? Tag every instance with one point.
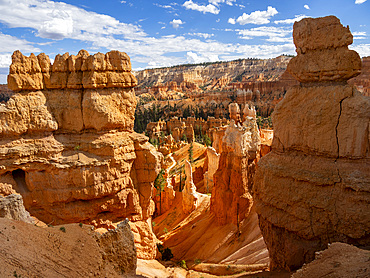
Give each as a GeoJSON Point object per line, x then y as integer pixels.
{"type": "Point", "coordinates": [198, 237]}
{"type": "Point", "coordinates": [30, 251]}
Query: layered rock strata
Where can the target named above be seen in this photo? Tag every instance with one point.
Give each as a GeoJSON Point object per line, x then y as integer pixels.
{"type": "Point", "coordinates": [313, 188]}
{"type": "Point", "coordinates": [231, 199]}
{"type": "Point", "coordinates": [67, 142]}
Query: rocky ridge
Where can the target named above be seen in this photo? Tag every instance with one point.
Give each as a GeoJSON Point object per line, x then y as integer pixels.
{"type": "Point", "coordinates": [313, 187]}
{"type": "Point", "coordinates": [203, 74]}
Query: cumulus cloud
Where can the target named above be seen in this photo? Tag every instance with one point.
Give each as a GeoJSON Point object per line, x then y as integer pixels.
{"type": "Point", "coordinates": [202, 35]}
{"type": "Point", "coordinates": [306, 7]}
{"type": "Point", "coordinates": [362, 49]}
{"type": "Point", "coordinates": [5, 60]}
{"type": "Point", "coordinates": [291, 20]}
{"type": "Point", "coordinates": [218, 2]}
{"type": "Point", "coordinates": [273, 34]}
{"type": "Point", "coordinates": [360, 1]}
{"type": "Point", "coordinates": [9, 43]}
{"type": "Point", "coordinates": [102, 32]}
{"type": "Point", "coordinates": [231, 21]}
{"type": "Point", "coordinates": [256, 17]}
{"type": "Point", "coordinates": [176, 23]}
{"type": "Point", "coordinates": [210, 8]}
{"type": "Point", "coordinates": [58, 20]}
{"type": "Point", "coordinates": [359, 35]}
{"type": "Point", "coordinates": [194, 58]}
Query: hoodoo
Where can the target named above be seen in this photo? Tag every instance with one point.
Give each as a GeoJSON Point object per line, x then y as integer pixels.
{"type": "Point", "coordinates": [67, 143]}
{"type": "Point", "coordinates": [313, 188]}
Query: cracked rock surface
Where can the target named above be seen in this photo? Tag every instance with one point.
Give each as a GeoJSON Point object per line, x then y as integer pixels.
{"type": "Point", "coordinates": [314, 187]}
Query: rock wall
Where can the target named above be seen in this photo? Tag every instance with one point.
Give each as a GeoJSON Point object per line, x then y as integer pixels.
{"type": "Point", "coordinates": [313, 188]}
{"type": "Point", "coordinates": [67, 143]}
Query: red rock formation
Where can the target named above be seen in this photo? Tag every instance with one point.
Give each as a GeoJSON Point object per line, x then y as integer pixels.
{"type": "Point", "coordinates": [67, 143]}
{"type": "Point", "coordinates": [313, 188]}
{"type": "Point", "coordinates": [231, 200]}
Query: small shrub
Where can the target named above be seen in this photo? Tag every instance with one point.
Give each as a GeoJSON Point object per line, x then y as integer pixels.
{"type": "Point", "coordinates": [160, 248]}
{"type": "Point", "coordinates": [182, 264]}
{"type": "Point", "coordinates": [153, 224]}
{"type": "Point", "coordinates": [62, 229]}
{"type": "Point", "coordinates": [167, 254]}
{"type": "Point", "coordinates": [165, 230]}
{"type": "Point", "coordinates": [197, 261]}
{"type": "Point", "coordinates": [80, 225]}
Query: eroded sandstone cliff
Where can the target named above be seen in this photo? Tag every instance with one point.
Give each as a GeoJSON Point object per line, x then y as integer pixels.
{"type": "Point", "coordinates": [67, 143]}
{"type": "Point", "coordinates": [313, 188]}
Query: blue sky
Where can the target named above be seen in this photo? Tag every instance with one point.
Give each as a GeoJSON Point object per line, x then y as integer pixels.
{"type": "Point", "coordinates": [165, 33]}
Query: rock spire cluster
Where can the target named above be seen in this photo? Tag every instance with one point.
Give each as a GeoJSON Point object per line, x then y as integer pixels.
{"type": "Point", "coordinates": [313, 188]}
{"type": "Point", "coordinates": [110, 70]}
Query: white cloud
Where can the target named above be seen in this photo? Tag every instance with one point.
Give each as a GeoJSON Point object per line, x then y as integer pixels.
{"type": "Point", "coordinates": [5, 60]}
{"type": "Point", "coordinates": [359, 33]}
{"type": "Point", "coordinates": [291, 20]}
{"type": "Point", "coordinates": [57, 20]}
{"type": "Point", "coordinates": [362, 49]}
{"type": "Point", "coordinates": [210, 8]}
{"type": "Point", "coordinates": [176, 23]}
{"type": "Point", "coordinates": [194, 58]}
{"type": "Point", "coordinates": [102, 32]}
{"type": "Point", "coordinates": [7, 46]}
{"type": "Point", "coordinates": [9, 43]}
{"type": "Point", "coordinates": [360, 1]}
{"type": "Point", "coordinates": [306, 7]}
{"type": "Point", "coordinates": [256, 17]}
{"type": "Point", "coordinates": [218, 2]}
{"type": "Point", "coordinates": [359, 38]}
{"type": "Point", "coordinates": [202, 35]}
{"type": "Point", "coordinates": [231, 21]}
{"type": "Point", "coordinates": [274, 34]}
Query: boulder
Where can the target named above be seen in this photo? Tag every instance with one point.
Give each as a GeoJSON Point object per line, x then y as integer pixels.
{"type": "Point", "coordinates": [11, 207]}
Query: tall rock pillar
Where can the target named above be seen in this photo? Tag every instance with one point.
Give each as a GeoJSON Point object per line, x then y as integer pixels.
{"type": "Point", "coordinates": [313, 188]}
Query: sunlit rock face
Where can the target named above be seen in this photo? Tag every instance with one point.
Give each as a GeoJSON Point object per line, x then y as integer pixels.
{"type": "Point", "coordinates": [313, 188]}
{"type": "Point", "coordinates": [239, 147]}
{"type": "Point", "coordinates": [67, 143]}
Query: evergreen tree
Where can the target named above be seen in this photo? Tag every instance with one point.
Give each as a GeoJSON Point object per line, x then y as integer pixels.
{"type": "Point", "coordinates": [159, 184]}
{"type": "Point", "coordinates": [190, 151]}
{"type": "Point", "coordinates": [207, 140]}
